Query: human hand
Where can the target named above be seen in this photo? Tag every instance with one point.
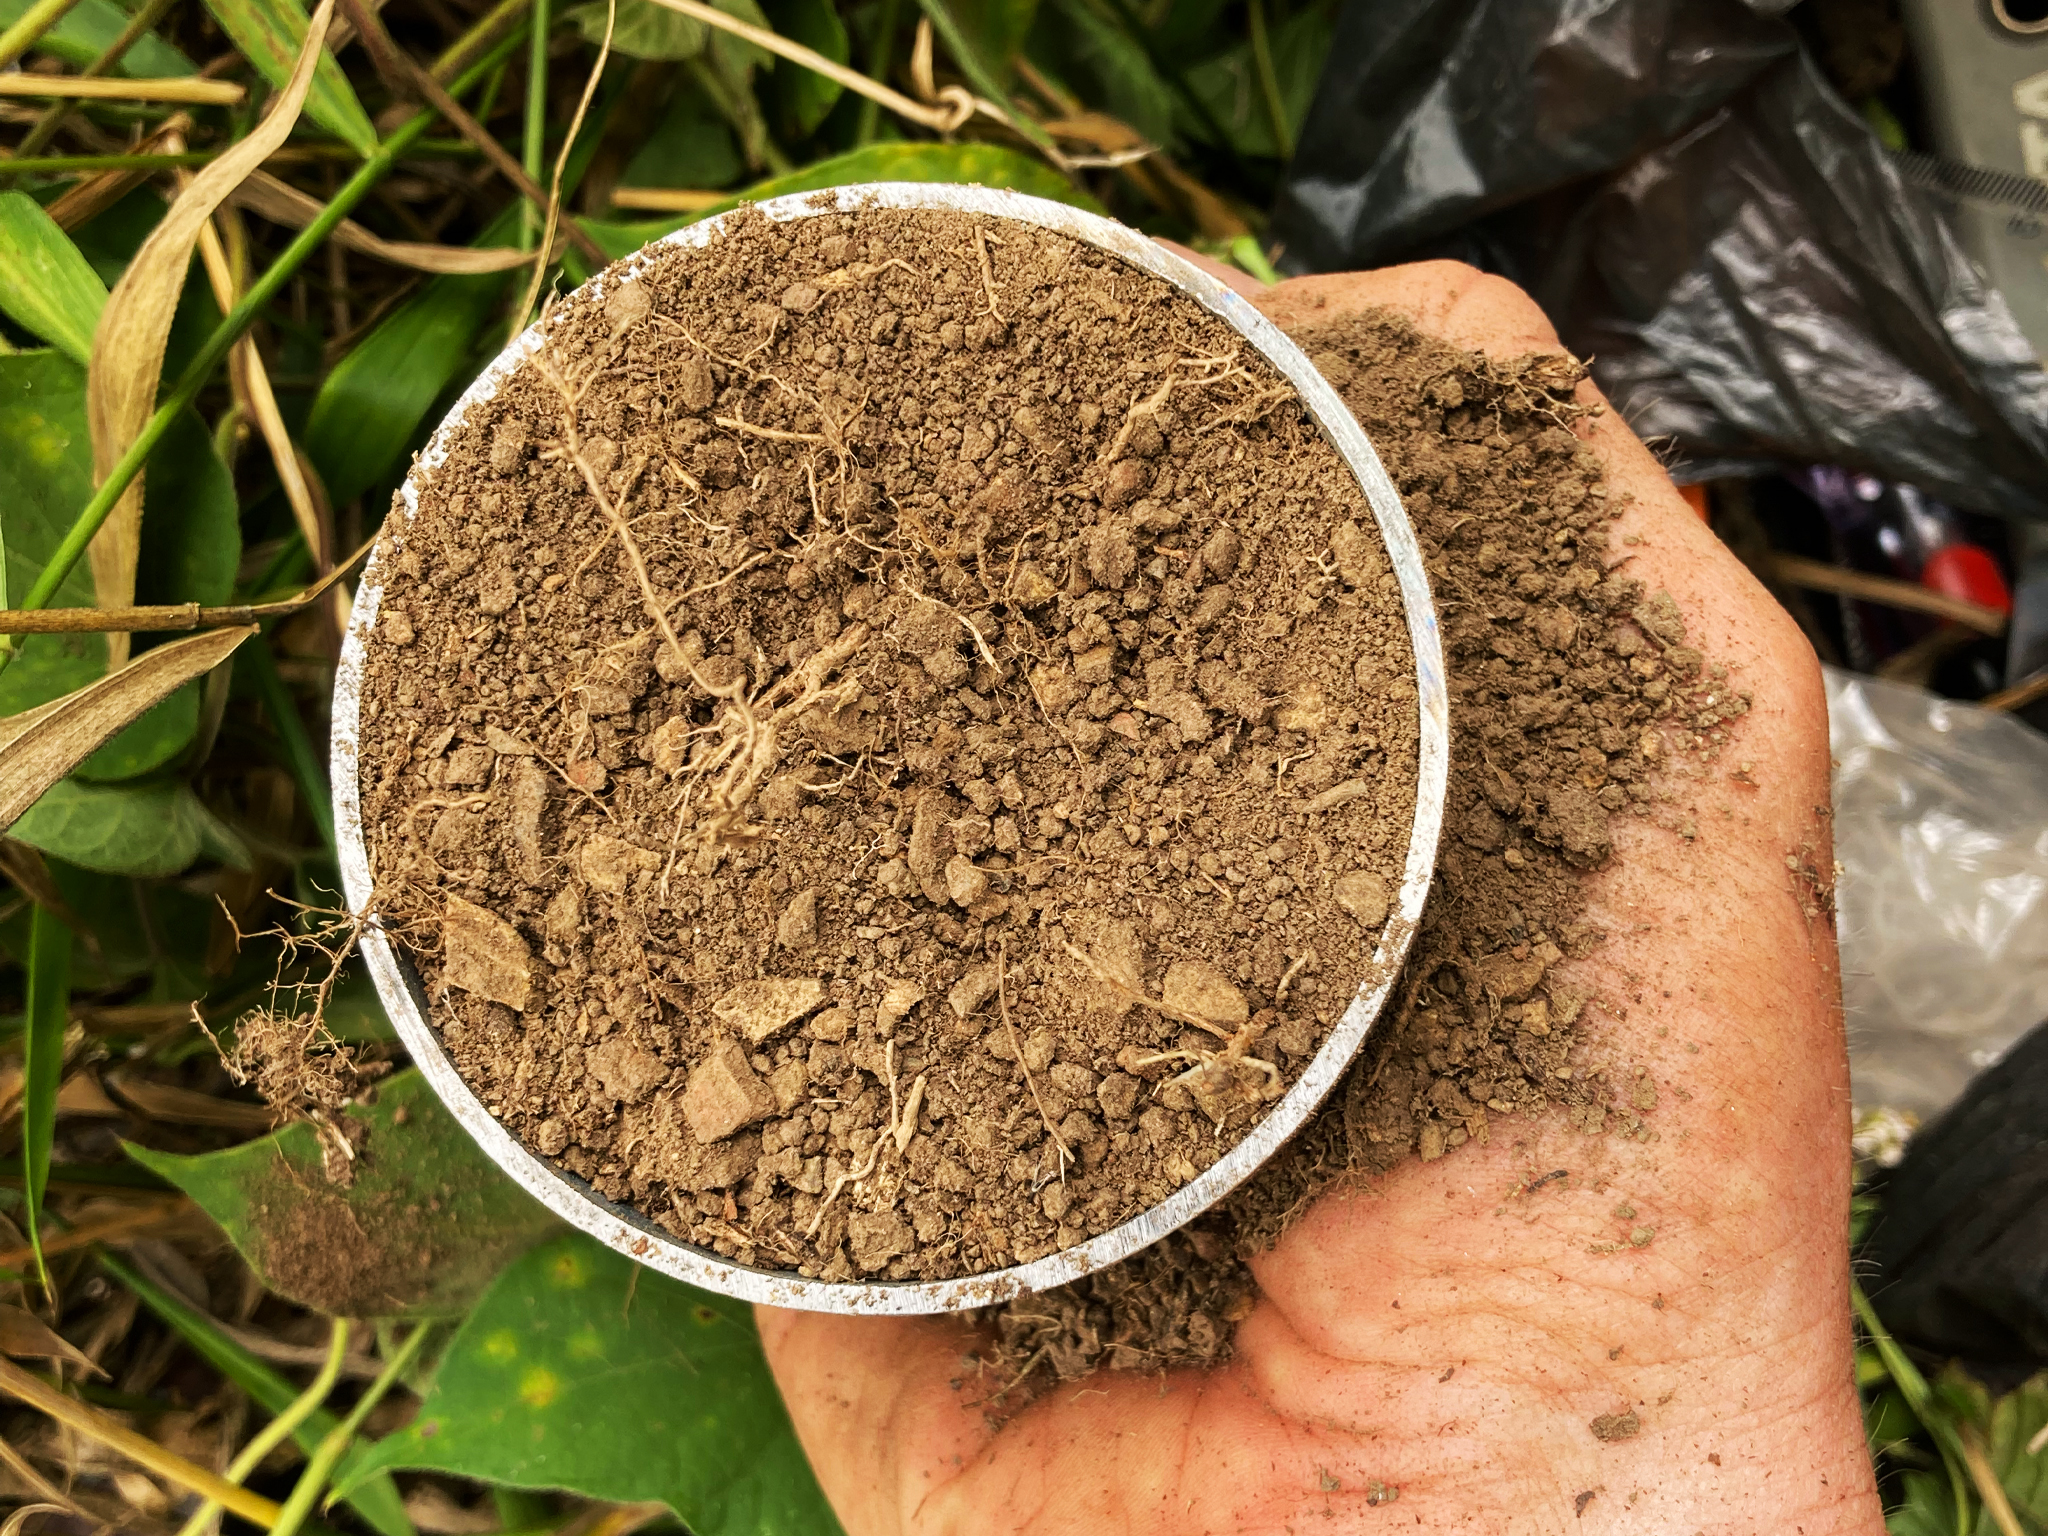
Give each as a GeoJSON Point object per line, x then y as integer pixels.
{"type": "Point", "coordinates": [1430, 1335]}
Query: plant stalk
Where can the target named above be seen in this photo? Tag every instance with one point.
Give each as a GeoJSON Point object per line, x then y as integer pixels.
{"type": "Point", "coordinates": [45, 127]}
{"type": "Point", "coordinates": [320, 1465]}
{"type": "Point", "coordinates": [35, 21]}
{"type": "Point", "coordinates": [273, 1434]}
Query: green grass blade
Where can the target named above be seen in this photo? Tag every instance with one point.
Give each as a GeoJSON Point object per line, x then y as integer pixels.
{"type": "Point", "coordinates": [49, 998]}
{"type": "Point", "coordinates": [45, 284]}
{"type": "Point", "coordinates": [302, 758]}
{"type": "Point", "coordinates": [375, 1498]}
{"type": "Point", "coordinates": [270, 34]}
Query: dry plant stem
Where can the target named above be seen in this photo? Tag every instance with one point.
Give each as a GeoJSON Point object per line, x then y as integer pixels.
{"type": "Point", "coordinates": [1996, 1503]}
{"type": "Point", "coordinates": [169, 616]}
{"type": "Point", "coordinates": [45, 127]}
{"type": "Point", "coordinates": [1017, 1049]}
{"type": "Point", "coordinates": [37, 1484]}
{"type": "Point", "coordinates": [123, 1224]}
{"type": "Point", "coordinates": [960, 104]}
{"type": "Point", "coordinates": [554, 205]}
{"type": "Point", "coordinates": [1819, 576]}
{"type": "Point", "coordinates": [140, 1449]}
{"type": "Point", "coordinates": [405, 75]}
{"type": "Point", "coordinates": [273, 1434]}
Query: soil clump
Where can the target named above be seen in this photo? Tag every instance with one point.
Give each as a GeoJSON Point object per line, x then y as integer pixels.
{"type": "Point", "coordinates": [1574, 699]}
{"type": "Point", "coordinates": [890, 741]}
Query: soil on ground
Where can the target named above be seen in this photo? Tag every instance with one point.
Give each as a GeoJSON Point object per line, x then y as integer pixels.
{"type": "Point", "coordinates": [890, 741]}
{"type": "Point", "coordinates": [1574, 699]}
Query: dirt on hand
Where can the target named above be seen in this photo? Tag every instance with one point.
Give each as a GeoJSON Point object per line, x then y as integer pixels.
{"type": "Point", "coordinates": [1574, 699]}
{"type": "Point", "coordinates": [897, 735]}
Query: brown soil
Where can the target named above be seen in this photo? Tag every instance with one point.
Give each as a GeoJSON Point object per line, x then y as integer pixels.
{"type": "Point", "coordinates": [1573, 695]}
{"type": "Point", "coordinates": [902, 775]}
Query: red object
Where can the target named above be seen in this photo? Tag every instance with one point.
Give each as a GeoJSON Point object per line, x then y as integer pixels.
{"type": "Point", "coordinates": [1967, 571]}
{"type": "Point", "coordinates": [1696, 498]}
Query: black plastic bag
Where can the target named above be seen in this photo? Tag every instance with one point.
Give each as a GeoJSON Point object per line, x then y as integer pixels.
{"type": "Point", "coordinates": [1697, 212]}
{"type": "Point", "coordinates": [1961, 1242]}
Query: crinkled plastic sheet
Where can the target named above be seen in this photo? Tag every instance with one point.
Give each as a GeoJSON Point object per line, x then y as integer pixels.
{"type": "Point", "coordinates": [1941, 832]}
{"type": "Point", "coordinates": [1698, 212]}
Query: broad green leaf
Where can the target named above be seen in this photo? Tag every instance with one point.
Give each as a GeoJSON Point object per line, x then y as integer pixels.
{"type": "Point", "coordinates": [149, 828]}
{"type": "Point", "coordinates": [2016, 1419]}
{"type": "Point", "coordinates": [371, 405]}
{"type": "Point", "coordinates": [1229, 84]}
{"type": "Point", "coordinates": [270, 34]}
{"type": "Point", "coordinates": [583, 1372]}
{"type": "Point", "coordinates": [996, 30]}
{"type": "Point", "coordinates": [46, 286]}
{"type": "Point", "coordinates": [424, 1227]}
{"type": "Point", "coordinates": [987, 165]}
{"type": "Point", "coordinates": [1107, 68]}
{"type": "Point", "coordinates": [191, 542]}
{"type": "Point", "coordinates": [803, 97]}
{"type": "Point", "coordinates": [643, 30]}
{"type": "Point", "coordinates": [1928, 1509]}
{"type": "Point", "coordinates": [690, 147]}
{"type": "Point", "coordinates": [84, 31]}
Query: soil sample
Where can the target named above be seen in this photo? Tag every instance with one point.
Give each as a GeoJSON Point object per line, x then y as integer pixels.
{"type": "Point", "coordinates": [1574, 699]}
{"type": "Point", "coordinates": [890, 741]}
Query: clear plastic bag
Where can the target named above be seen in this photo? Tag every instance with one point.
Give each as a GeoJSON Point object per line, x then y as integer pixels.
{"type": "Point", "coordinates": [1941, 835]}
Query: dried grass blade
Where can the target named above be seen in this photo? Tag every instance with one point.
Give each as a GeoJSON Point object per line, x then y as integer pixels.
{"type": "Point", "coordinates": [42, 1060]}
{"type": "Point", "coordinates": [281, 203]}
{"type": "Point", "coordinates": [39, 747]}
{"type": "Point", "coordinates": [128, 347]}
{"type": "Point", "coordinates": [23, 1333]}
{"type": "Point", "coordinates": [141, 1450]}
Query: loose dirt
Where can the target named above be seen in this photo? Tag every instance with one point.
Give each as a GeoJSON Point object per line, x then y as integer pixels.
{"type": "Point", "coordinates": [894, 740]}
{"type": "Point", "coordinates": [1574, 699]}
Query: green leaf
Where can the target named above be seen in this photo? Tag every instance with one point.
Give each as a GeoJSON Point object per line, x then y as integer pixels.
{"type": "Point", "coordinates": [995, 30]}
{"type": "Point", "coordinates": [583, 1372]}
{"type": "Point", "coordinates": [987, 165]}
{"type": "Point", "coordinates": [45, 284]}
{"type": "Point", "coordinates": [1109, 69]}
{"type": "Point", "coordinates": [376, 1496]}
{"type": "Point", "coordinates": [48, 1008]}
{"type": "Point", "coordinates": [191, 543]}
{"type": "Point", "coordinates": [2015, 1420]}
{"type": "Point", "coordinates": [270, 34]}
{"type": "Point", "coordinates": [1927, 1509]}
{"type": "Point", "coordinates": [803, 97]}
{"type": "Point", "coordinates": [84, 32]}
{"type": "Point", "coordinates": [422, 1229]}
{"type": "Point", "coordinates": [149, 828]}
{"type": "Point", "coordinates": [643, 30]}
{"type": "Point", "coordinates": [691, 146]}
{"type": "Point", "coordinates": [1229, 84]}
{"type": "Point", "coordinates": [372, 404]}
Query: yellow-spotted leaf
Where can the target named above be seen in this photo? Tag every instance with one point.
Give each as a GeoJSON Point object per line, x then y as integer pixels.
{"type": "Point", "coordinates": [581, 1371]}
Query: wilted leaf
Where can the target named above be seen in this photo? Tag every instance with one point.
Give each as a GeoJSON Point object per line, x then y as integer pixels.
{"type": "Point", "coordinates": [988, 165]}
{"type": "Point", "coordinates": [272, 35]}
{"type": "Point", "coordinates": [45, 284]}
{"type": "Point", "coordinates": [23, 1334]}
{"type": "Point", "coordinates": [581, 1371]}
{"type": "Point", "coordinates": [126, 829]}
{"type": "Point", "coordinates": [128, 347]}
{"type": "Point", "coordinates": [426, 1224]}
{"type": "Point", "coordinates": [83, 33]}
{"type": "Point", "coordinates": [803, 97]}
{"type": "Point", "coordinates": [191, 538]}
{"type": "Point", "coordinates": [372, 403]}
{"type": "Point", "coordinates": [39, 748]}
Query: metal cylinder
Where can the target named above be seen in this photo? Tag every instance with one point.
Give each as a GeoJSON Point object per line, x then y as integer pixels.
{"type": "Point", "coordinates": [573, 1199]}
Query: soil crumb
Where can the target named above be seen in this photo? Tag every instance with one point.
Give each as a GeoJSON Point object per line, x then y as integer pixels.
{"type": "Point", "coordinates": [1574, 699]}
{"type": "Point", "coordinates": [894, 736]}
